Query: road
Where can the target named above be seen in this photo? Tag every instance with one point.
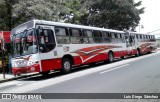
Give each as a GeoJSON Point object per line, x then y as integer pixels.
{"type": "Point", "coordinates": [133, 75]}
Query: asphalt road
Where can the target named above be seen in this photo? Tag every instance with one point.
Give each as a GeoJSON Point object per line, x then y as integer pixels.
{"type": "Point", "coordinates": [133, 75]}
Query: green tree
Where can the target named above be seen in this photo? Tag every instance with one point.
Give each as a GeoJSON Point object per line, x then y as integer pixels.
{"type": "Point", "coordinates": [6, 14]}
{"type": "Point", "coordinates": [114, 14]}
{"type": "Point", "coordinates": [28, 9]}
{"type": "Point", "coordinates": [72, 10]}
{"type": "Point", "coordinates": [15, 12]}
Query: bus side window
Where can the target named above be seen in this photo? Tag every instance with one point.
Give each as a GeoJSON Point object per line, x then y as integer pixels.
{"type": "Point", "coordinates": [98, 37]}
{"type": "Point", "coordinates": [141, 39]}
{"type": "Point", "coordinates": [119, 38]}
{"type": "Point", "coordinates": [113, 37]}
{"type": "Point", "coordinates": [106, 36]}
{"type": "Point", "coordinates": [76, 36]}
{"type": "Point", "coordinates": [87, 36]}
{"type": "Point", "coordinates": [123, 38]}
{"type": "Point", "coordinates": [62, 35]}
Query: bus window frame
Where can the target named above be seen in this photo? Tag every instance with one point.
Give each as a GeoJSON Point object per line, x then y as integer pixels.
{"type": "Point", "coordinates": [67, 34]}
{"type": "Point", "coordinates": [106, 39]}
{"type": "Point", "coordinates": [88, 37]}
{"type": "Point", "coordinates": [99, 37]}
{"type": "Point", "coordinates": [80, 37]}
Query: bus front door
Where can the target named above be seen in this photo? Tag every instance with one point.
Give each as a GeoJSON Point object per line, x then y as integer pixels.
{"type": "Point", "coordinates": [47, 49]}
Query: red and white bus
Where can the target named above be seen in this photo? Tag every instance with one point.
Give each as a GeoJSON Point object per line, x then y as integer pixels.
{"type": "Point", "coordinates": [138, 43]}
{"type": "Point", "coordinates": [42, 46]}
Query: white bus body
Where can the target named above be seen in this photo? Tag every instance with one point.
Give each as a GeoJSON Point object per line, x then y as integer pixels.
{"type": "Point", "coordinates": [41, 46]}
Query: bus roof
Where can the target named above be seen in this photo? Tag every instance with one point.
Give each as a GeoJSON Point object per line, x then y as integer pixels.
{"type": "Point", "coordinates": [78, 26]}
{"type": "Point", "coordinates": [31, 24]}
{"type": "Point", "coordinates": [140, 33]}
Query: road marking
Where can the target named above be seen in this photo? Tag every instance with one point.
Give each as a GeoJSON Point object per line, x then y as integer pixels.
{"type": "Point", "coordinates": [113, 69]}
{"type": "Point", "coordinates": [8, 84]}
{"type": "Point", "coordinates": [19, 84]}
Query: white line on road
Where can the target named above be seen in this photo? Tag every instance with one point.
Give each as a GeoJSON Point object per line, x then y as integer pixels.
{"type": "Point", "coordinates": [113, 69]}
{"type": "Point", "coordinates": [19, 84]}
{"type": "Point", "coordinates": [8, 84]}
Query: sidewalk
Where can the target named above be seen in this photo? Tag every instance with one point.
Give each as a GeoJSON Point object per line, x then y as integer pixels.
{"type": "Point", "coordinates": [10, 77]}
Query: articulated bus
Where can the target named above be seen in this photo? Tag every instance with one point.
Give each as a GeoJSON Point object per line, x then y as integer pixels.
{"type": "Point", "coordinates": [42, 46]}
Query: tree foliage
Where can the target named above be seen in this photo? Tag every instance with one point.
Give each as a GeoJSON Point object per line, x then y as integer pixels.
{"type": "Point", "coordinates": [15, 12]}
{"type": "Point", "coordinates": [27, 9]}
{"type": "Point", "coordinates": [114, 14]}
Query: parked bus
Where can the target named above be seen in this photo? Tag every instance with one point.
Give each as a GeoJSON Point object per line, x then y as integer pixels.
{"type": "Point", "coordinates": [138, 44]}
{"type": "Point", "coordinates": [42, 46]}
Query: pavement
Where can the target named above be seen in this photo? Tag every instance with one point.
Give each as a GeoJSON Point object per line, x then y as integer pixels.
{"type": "Point", "coordinates": [10, 77]}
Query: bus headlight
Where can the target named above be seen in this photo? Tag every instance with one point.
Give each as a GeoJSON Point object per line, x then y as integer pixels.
{"type": "Point", "coordinates": [14, 65]}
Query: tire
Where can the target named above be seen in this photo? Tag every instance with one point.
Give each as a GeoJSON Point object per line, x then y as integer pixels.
{"type": "Point", "coordinates": [66, 66]}
{"type": "Point", "coordinates": [110, 57]}
{"type": "Point", "coordinates": [18, 74]}
{"type": "Point", "coordinates": [123, 57]}
{"type": "Point", "coordinates": [138, 53]}
{"type": "Point", "coordinates": [150, 50]}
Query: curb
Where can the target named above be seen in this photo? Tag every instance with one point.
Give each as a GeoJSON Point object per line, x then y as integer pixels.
{"type": "Point", "coordinates": [19, 77]}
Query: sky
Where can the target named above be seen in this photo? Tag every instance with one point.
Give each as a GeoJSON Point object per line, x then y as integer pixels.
{"type": "Point", "coordinates": [151, 18]}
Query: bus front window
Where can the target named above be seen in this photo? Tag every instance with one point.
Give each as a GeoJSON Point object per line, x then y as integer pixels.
{"type": "Point", "coordinates": [16, 45]}
{"type": "Point", "coordinates": [30, 44]}
{"type": "Point", "coordinates": [24, 43]}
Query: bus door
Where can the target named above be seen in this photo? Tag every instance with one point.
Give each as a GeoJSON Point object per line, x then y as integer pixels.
{"type": "Point", "coordinates": [47, 48]}
{"type": "Point", "coordinates": [130, 43]}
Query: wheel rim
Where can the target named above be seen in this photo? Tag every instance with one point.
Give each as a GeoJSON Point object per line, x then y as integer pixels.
{"type": "Point", "coordinates": [67, 65]}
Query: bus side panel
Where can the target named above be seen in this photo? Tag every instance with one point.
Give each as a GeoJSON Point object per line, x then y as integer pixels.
{"type": "Point", "coordinates": [103, 56]}
{"type": "Point", "coordinates": [77, 60]}
{"type": "Point", "coordinates": [134, 51]}
{"type": "Point", "coordinates": [124, 53]}
{"type": "Point", "coordinates": [118, 54]}
{"type": "Point", "coordinates": [51, 64]}
{"type": "Point", "coordinates": [89, 59]}
{"type": "Point", "coordinates": [146, 50]}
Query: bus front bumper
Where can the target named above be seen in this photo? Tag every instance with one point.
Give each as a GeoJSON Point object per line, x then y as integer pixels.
{"type": "Point", "coordinates": [27, 69]}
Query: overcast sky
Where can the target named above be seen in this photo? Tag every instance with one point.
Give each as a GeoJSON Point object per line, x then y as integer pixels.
{"type": "Point", "coordinates": [151, 18]}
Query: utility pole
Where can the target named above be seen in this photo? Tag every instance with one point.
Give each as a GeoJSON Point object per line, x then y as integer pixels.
{"type": "Point", "coordinates": [140, 27]}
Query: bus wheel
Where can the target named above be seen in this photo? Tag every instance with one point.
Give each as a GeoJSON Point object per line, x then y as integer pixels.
{"type": "Point", "coordinates": [123, 57]}
{"type": "Point", "coordinates": [110, 57]}
{"type": "Point", "coordinates": [18, 74]}
{"type": "Point", "coordinates": [66, 66]}
{"type": "Point", "coordinates": [138, 53]}
{"type": "Point", "coordinates": [150, 50]}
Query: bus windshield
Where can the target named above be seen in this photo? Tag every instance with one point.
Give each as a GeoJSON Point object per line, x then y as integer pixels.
{"type": "Point", "coordinates": [24, 43]}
